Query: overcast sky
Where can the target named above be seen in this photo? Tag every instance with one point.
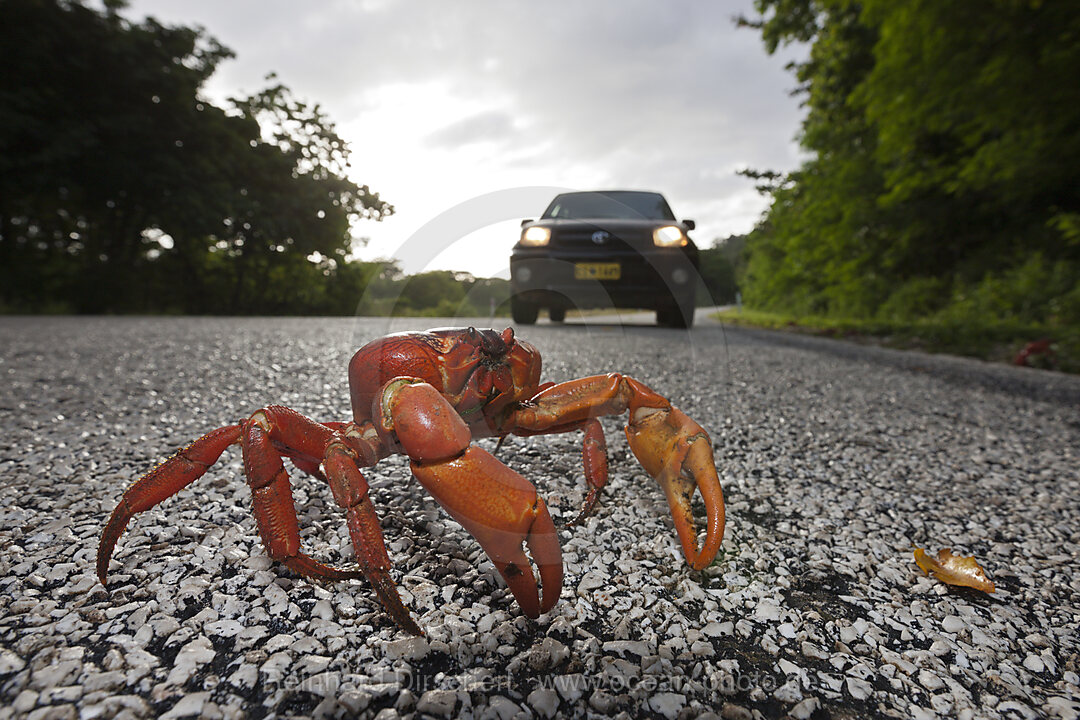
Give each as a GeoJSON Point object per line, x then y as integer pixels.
{"type": "Point", "coordinates": [468, 117]}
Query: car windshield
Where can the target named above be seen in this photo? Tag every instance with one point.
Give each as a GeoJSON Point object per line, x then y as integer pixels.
{"type": "Point", "coordinates": [607, 205]}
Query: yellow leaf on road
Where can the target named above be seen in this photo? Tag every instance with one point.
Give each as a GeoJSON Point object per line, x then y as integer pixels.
{"type": "Point", "coordinates": [954, 570]}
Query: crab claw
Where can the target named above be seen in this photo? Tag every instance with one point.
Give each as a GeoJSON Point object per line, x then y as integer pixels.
{"type": "Point", "coordinates": [502, 511]}
{"type": "Point", "coordinates": [494, 503]}
{"type": "Point", "coordinates": [677, 452]}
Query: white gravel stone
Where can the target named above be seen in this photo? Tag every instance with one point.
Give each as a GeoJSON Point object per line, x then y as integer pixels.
{"type": "Point", "coordinates": [191, 657]}
{"type": "Point", "coordinates": [602, 701]}
{"type": "Point", "coordinates": [767, 610]}
{"type": "Point", "coordinates": [411, 649]}
{"type": "Point", "coordinates": [790, 692]}
{"type": "Point", "coordinates": [667, 704]}
{"type": "Point", "coordinates": [953, 624]}
{"type": "Point", "coordinates": [804, 709]}
{"type": "Point", "coordinates": [223, 628]}
{"type": "Point", "coordinates": [438, 702]}
{"type": "Point", "coordinates": [571, 687]}
{"type": "Point", "coordinates": [501, 708]}
{"type": "Point", "coordinates": [701, 648]}
{"type": "Point", "coordinates": [592, 580]}
{"type": "Point", "coordinates": [355, 701]}
{"type": "Point", "coordinates": [323, 610]}
{"type": "Point", "coordinates": [313, 664]}
{"type": "Point", "coordinates": [544, 702]}
{"type": "Point", "coordinates": [627, 648]}
{"type": "Point", "coordinates": [245, 676]}
{"type": "Point", "coordinates": [56, 674]}
{"type": "Point", "coordinates": [1063, 707]}
{"type": "Point", "coordinates": [190, 705]}
{"type": "Point", "coordinates": [1034, 663]}
{"type": "Point", "coordinates": [10, 662]}
{"type": "Point", "coordinates": [276, 666]}
{"type": "Point", "coordinates": [25, 701]}
{"type": "Point", "coordinates": [103, 681]}
{"type": "Point", "coordinates": [859, 689]}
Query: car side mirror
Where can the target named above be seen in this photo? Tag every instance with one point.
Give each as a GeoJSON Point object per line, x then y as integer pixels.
{"type": "Point", "coordinates": [690, 224]}
{"type": "Point", "coordinates": [525, 222]}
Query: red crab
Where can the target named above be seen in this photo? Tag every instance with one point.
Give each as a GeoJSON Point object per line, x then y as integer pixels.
{"type": "Point", "coordinates": [428, 394]}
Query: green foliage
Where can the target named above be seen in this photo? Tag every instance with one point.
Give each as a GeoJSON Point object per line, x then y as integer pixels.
{"type": "Point", "coordinates": [1037, 291]}
{"type": "Point", "coordinates": [718, 267]}
{"type": "Point", "coordinates": [122, 190]}
{"type": "Point", "coordinates": [973, 336]}
{"type": "Point", "coordinates": [919, 297]}
{"type": "Point", "coordinates": [972, 98]}
{"type": "Point", "coordinates": [944, 177]}
{"type": "Point", "coordinates": [438, 293]}
{"type": "Point", "coordinates": [427, 290]}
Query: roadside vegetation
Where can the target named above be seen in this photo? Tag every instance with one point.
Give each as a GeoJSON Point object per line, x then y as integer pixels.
{"type": "Point", "coordinates": [941, 198]}
{"type": "Point", "coordinates": [995, 342]}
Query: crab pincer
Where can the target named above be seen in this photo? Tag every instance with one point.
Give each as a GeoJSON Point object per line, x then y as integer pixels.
{"type": "Point", "coordinates": [671, 447]}
{"type": "Point", "coordinates": [495, 504]}
{"type": "Point", "coordinates": [677, 452]}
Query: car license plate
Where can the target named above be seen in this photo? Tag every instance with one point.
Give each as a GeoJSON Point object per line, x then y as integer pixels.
{"type": "Point", "coordinates": [596, 271]}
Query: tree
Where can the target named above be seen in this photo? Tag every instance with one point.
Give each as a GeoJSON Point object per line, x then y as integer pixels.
{"type": "Point", "coordinates": [818, 250]}
{"type": "Point", "coordinates": [718, 269]}
{"type": "Point", "coordinates": [121, 189]}
{"type": "Point", "coordinates": [945, 157]}
{"type": "Point", "coordinates": [439, 290]}
{"type": "Point", "coordinates": [976, 117]}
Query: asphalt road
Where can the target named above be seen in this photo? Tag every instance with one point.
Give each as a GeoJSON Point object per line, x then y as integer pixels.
{"type": "Point", "coordinates": [836, 460]}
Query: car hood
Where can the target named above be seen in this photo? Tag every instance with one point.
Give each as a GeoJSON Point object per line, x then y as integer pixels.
{"type": "Point", "coordinates": [609, 224]}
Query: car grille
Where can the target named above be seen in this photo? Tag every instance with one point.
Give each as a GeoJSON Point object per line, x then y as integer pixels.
{"type": "Point", "coordinates": [621, 240]}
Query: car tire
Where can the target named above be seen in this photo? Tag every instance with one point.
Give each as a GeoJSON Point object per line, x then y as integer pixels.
{"type": "Point", "coordinates": [676, 314]}
{"type": "Point", "coordinates": [524, 313]}
{"type": "Point", "coordinates": [557, 314]}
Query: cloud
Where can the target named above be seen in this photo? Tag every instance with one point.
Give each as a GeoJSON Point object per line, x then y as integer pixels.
{"type": "Point", "coordinates": [490, 126]}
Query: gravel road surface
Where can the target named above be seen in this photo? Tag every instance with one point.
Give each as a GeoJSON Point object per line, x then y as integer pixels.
{"type": "Point", "coordinates": [836, 459]}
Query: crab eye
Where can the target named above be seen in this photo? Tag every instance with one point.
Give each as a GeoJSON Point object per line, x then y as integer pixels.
{"type": "Point", "coordinates": [492, 343]}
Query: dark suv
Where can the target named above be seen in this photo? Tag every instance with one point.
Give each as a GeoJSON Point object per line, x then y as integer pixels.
{"type": "Point", "coordinates": [610, 248]}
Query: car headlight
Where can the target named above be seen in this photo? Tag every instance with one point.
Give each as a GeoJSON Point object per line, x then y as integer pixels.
{"type": "Point", "coordinates": [534, 235]}
{"type": "Point", "coordinates": [669, 236]}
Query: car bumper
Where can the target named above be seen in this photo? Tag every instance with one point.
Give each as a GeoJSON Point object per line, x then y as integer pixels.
{"type": "Point", "coordinates": [646, 280]}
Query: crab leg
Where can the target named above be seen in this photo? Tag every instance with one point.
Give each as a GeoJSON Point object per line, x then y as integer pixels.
{"type": "Point", "coordinates": [594, 460]}
{"type": "Point", "coordinates": [275, 512]}
{"type": "Point", "coordinates": [496, 505]}
{"type": "Point", "coordinates": [671, 447]}
{"type": "Point", "coordinates": [305, 438]}
{"type": "Point", "coordinates": [351, 492]}
{"type": "Point", "coordinates": [164, 481]}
